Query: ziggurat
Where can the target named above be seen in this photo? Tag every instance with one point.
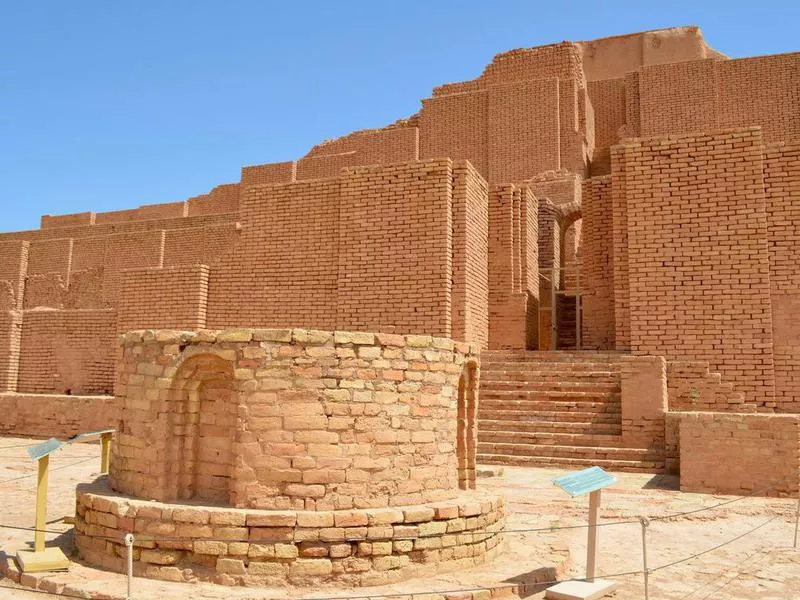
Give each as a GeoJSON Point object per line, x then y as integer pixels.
{"type": "Point", "coordinates": [609, 229]}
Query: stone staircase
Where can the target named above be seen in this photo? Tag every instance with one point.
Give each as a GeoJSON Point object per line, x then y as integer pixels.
{"type": "Point", "coordinates": [555, 409]}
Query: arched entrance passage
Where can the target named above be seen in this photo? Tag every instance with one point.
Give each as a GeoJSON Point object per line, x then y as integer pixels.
{"type": "Point", "coordinates": [202, 419]}
{"type": "Point", "coordinates": [466, 440]}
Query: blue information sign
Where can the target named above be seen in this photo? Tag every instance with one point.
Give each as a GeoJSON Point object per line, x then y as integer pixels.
{"type": "Point", "coordinates": [584, 482]}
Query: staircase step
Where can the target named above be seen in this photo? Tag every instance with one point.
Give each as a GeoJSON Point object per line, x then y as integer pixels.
{"type": "Point", "coordinates": [490, 425]}
{"type": "Point", "coordinates": [577, 392]}
{"type": "Point", "coordinates": [556, 451]}
{"type": "Point", "coordinates": [548, 438]}
{"type": "Point", "coordinates": [523, 407]}
{"type": "Point", "coordinates": [528, 416]}
{"type": "Point", "coordinates": [633, 466]}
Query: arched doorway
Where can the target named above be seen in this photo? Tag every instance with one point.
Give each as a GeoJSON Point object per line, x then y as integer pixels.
{"type": "Point", "coordinates": [466, 432]}
{"type": "Point", "coordinates": [202, 418]}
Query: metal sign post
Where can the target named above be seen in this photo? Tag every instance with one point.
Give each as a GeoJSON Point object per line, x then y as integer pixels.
{"type": "Point", "coordinates": [41, 558]}
{"type": "Point", "coordinates": [589, 481]}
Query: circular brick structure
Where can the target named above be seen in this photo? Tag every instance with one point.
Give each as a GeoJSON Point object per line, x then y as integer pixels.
{"type": "Point", "coordinates": [261, 456]}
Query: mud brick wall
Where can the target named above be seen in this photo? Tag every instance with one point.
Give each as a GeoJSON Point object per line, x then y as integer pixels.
{"type": "Point", "coordinates": [699, 279]}
{"type": "Point", "coordinates": [199, 245]}
{"type": "Point", "coordinates": [396, 248]}
{"type": "Point", "coordinates": [608, 101]}
{"type": "Point", "coordinates": [692, 387]}
{"type": "Point", "coordinates": [67, 352]}
{"type": "Point", "coordinates": [643, 382]}
{"type": "Point", "coordinates": [706, 95]}
{"type": "Point", "coordinates": [283, 172]}
{"type": "Point", "coordinates": [13, 268]}
{"type": "Point", "coordinates": [168, 298]}
{"type": "Point", "coordinates": [222, 199]}
{"type": "Point", "coordinates": [735, 453]}
{"type": "Point", "coordinates": [287, 259]}
{"type": "Point", "coordinates": [370, 249]}
{"type": "Point", "coordinates": [555, 60]}
{"type": "Point", "coordinates": [456, 126]}
{"type": "Point", "coordinates": [76, 219]}
{"type": "Point", "coordinates": [49, 265]}
{"type": "Point", "coordinates": [10, 336]}
{"type": "Point", "coordinates": [170, 210]}
{"type": "Point", "coordinates": [328, 165]}
{"type": "Point", "coordinates": [323, 420]}
{"type": "Point", "coordinates": [782, 180]}
{"type": "Point", "coordinates": [470, 295]}
{"type": "Point", "coordinates": [374, 146]}
{"type": "Point", "coordinates": [524, 130]}
{"type": "Point", "coordinates": [129, 251]}
{"type": "Point", "coordinates": [513, 267]}
{"type": "Point", "coordinates": [56, 415]}
{"type": "Point", "coordinates": [597, 331]}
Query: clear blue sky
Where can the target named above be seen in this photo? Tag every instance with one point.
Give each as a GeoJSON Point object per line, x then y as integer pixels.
{"type": "Point", "coordinates": [107, 105]}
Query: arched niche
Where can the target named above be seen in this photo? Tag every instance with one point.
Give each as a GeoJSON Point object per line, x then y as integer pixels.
{"type": "Point", "coordinates": [202, 416]}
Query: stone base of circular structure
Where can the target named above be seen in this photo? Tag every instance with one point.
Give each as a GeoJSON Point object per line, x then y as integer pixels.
{"type": "Point", "coordinates": [230, 546]}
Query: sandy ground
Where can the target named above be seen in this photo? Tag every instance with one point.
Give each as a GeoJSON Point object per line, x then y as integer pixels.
{"type": "Point", "coordinates": [761, 564]}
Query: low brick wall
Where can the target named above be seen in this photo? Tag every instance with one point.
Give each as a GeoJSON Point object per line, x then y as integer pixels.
{"type": "Point", "coordinates": [739, 453]}
{"type": "Point", "coordinates": [181, 542]}
{"type": "Point", "coordinates": [44, 415]}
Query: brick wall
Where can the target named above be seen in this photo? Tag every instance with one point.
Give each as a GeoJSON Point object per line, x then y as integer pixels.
{"type": "Point", "coordinates": [371, 248]}
{"type": "Point", "coordinates": [374, 146]}
{"type": "Point", "coordinates": [67, 352]}
{"type": "Point", "coordinates": [329, 165]}
{"type": "Point", "coordinates": [222, 199]}
{"type": "Point", "coordinates": [782, 181]}
{"type": "Point", "coordinates": [524, 130]}
{"type": "Point", "coordinates": [597, 331]}
{"type": "Point", "coordinates": [470, 296]}
{"type": "Point", "coordinates": [735, 454]}
{"type": "Point", "coordinates": [10, 335]}
{"type": "Point", "coordinates": [396, 248]}
{"type": "Point", "coordinates": [608, 100]}
{"type": "Point", "coordinates": [13, 268]}
{"type": "Point", "coordinates": [555, 60]}
{"type": "Point", "coordinates": [711, 94]}
{"type": "Point", "coordinates": [199, 245]}
{"type": "Point", "coordinates": [76, 219]}
{"type": "Point", "coordinates": [282, 172]}
{"type": "Point", "coordinates": [168, 298]}
{"type": "Point", "coordinates": [699, 279]}
{"type": "Point", "coordinates": [129, 251]}
{"type": "Point", "coordinates": [456, 126]}
{"type": "Point", "coordinates": [56, 416]}
{"type": "Point", "coordinates": [513, 267]}
{"type": "Point", "coordinates": [284, 269]}
{"type": "Point", "coordinates": [693, 387]}
{"type": "Point", "coordinates": [170, 210]}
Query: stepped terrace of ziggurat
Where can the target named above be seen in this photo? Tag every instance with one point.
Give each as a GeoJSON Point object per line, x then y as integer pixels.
{"type": "Point", "coordinates": [587, 255]}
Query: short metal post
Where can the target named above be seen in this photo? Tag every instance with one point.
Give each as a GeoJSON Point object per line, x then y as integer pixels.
{"type": "Point", "coordinates": [645, 524]}
{"type": "Point", "coordinates": [796, 520]}
{"type": "Point", "coordinates": [105, 451]}
{"type": "Point", "coordinates": [591, 545]}
{"type": "Point", "coordinates": [41, 504]}
{"type": "Point", "coordinates": [129, 544]}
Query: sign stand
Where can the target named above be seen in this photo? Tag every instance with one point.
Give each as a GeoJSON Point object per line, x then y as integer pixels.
{"type": "Point", "coordinates": [41, 558]}
{"type": "Point", "coordinates": [589, 481]}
